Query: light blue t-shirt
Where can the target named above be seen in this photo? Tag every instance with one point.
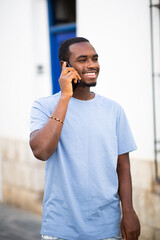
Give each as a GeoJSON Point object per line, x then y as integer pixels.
{"type": "Point", "coordinates": [81, 200]}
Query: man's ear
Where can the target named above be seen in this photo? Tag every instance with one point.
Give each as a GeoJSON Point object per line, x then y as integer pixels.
{"type": "Point", "coordinates": [61, 63]}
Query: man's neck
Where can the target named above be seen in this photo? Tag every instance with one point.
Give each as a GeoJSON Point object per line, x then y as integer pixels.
{"type": "Point", "coordinates": [83, 93]}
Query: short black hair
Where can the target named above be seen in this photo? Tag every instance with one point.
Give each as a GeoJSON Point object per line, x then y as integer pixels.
{"type": "Point", "coordinates": [64, 52]}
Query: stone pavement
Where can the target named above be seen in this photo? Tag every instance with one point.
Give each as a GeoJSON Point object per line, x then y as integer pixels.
{"type": "Point", "coordinates": [16, 224]}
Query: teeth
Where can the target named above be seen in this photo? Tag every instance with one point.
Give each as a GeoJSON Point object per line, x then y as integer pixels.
{"type": "Point", "coordinates": [90, 74]}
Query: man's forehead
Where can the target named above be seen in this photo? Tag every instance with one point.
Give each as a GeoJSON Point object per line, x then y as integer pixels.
{"type": "Point", "coordinates": [81, 47]}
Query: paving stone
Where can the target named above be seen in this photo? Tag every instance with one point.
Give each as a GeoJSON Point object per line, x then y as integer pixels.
{"type": "Point", "coordinates": [16, 224]}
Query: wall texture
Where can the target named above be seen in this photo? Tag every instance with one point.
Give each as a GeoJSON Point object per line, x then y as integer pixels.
{"type": "Point", "coordinates": [22, 176]}
{"type": "Point", "coordinates": [146, 198]}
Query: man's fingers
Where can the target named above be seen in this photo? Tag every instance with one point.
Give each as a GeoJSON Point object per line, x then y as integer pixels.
{"type": "Point", "coordinates": [123, 233]}
{"type": "Point", "coordinates": [77, 76]}
{"type": "Point", "coordinates": [70, 73]}
{"type": "Point", "coordinates": [71, 76]}
{"type": "Point", "coordinates": [67, 70]}
{"type": "Point", "coordinates": [64, 64]}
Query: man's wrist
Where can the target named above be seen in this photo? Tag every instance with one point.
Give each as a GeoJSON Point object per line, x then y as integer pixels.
{"type": "Point", "coordinates": [127, 209]}
{"type": "Point", "coordinates": [65, 97]}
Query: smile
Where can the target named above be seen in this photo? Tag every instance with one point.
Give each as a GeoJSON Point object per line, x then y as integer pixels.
{"type": "Point", "coordinates": [91, 74]}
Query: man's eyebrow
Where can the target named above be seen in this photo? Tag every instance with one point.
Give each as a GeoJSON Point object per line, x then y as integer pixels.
{"type": "Point", "coordinates": [82, 56]}
{"type": "Point", "coordinates": [95, 55]}
{"type": "Point", "coordinates": [85, 56]}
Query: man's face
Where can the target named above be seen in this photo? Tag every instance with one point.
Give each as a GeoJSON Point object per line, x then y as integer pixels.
{"type": "Point", "coordinates": [85, 60]}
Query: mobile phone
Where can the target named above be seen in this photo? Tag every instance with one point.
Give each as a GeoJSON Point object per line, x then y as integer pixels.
{"type": "Point", "coordinates": [74, 85]}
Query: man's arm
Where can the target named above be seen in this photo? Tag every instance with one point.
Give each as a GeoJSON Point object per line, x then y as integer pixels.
{"type": "Point", "coordinates": [130, 225]}
{"type": "Point", "coordinates": [44, 141]}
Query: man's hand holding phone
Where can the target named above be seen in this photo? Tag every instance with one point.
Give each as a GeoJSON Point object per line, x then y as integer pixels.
{"type": "Point", "coordinates": [68, 76]}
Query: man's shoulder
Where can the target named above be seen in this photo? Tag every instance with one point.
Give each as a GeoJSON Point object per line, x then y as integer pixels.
{"type": "Point", "coordinates": [107, 101]}
{"type": "Point", "coordinates": [48, 100]}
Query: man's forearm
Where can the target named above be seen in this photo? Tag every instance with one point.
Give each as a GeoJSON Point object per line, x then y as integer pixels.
{"type": "Point", "coordinates": [130, 225]}
{"type": "Point", "coordinates": [45, 140]}
{"type": "Point", "coordinates": [125, 183]}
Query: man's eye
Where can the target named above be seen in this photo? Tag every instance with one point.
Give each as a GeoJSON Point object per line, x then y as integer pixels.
{"type": "Point", "coordinates": [82, 60]}
{"type": "Point", "coordinates": [95, 59]}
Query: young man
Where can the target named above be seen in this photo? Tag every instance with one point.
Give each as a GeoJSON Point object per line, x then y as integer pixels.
{"type": "Point", "coordinates": [86, 141]}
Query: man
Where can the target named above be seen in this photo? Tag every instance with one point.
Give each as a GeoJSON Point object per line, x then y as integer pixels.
{"type": "Point", "coordinates": [86, 141]}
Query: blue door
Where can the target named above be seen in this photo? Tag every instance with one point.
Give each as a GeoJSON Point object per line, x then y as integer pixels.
{"type": "Point", "coordinates": [58, 33]}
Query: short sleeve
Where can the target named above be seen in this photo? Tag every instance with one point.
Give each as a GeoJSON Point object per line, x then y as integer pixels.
{"type": "Point", "coordinates": [38, 117]}
{"type": "Point", "coordinates": [125, 140]}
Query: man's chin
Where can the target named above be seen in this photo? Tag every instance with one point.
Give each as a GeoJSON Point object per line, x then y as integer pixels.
{"type": "Point", "coordinates": [92, 84]}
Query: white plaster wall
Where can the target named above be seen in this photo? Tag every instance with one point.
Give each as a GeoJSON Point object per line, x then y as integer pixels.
{"type": "Point", "coordinates": [24, 44]}
{"type": "Point", "coordinates": [41, 46]}
{"type": "Point", "coordinates": [120, 32]}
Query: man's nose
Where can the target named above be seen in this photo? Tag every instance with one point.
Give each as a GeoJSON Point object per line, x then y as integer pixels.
{"type": "Point", "coordinates": [90, 63]}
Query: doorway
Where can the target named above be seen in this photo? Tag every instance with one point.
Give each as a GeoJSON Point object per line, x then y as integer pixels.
{"type": "Point", "coordinates": [62, 25]}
